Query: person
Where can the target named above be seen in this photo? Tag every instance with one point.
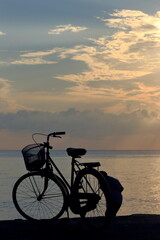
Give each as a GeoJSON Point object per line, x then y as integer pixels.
{"type": "Point", "coordinates": [116, 197]}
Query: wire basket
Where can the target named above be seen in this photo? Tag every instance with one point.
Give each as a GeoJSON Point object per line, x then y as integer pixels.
{"type": "Point", "coordinates": [34, 157]}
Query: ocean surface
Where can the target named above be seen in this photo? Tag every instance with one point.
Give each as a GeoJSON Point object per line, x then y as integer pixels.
{"type": "Point", "coordinates": [138, 172]}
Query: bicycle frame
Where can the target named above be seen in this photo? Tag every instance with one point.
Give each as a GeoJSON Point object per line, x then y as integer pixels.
{"type": "Point", "coordinates": [73, 172]}
{"type": "Point", "coordinates": [74, 164]}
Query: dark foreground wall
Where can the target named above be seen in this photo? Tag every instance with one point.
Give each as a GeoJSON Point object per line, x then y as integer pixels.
{"type": "Point", "coordinates": [134, 227]}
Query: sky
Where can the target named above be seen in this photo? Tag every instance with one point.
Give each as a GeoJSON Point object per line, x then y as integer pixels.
{"type": "Point", "coordinates": [87, 67]}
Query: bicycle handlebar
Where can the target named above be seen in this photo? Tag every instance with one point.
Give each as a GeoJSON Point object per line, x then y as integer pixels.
{"type": "Point", "coordinates": [55, 134]}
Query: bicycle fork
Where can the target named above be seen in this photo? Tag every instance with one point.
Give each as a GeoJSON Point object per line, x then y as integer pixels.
{"type": "Point", "coordinates": [39, 194]}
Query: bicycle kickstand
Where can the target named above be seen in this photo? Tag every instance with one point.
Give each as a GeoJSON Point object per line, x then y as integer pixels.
{"type": "Point", "coordinates": [67, 211]}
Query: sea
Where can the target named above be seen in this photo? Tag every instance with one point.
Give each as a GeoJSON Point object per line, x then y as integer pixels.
{"type": "Point", "coordinates": [138, 172]}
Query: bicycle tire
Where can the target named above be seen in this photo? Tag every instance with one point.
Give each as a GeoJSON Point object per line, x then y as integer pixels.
{"type": "Point", "coordinates": [32, 204]}
{"type": "Point", "coordinates": [90, 180]}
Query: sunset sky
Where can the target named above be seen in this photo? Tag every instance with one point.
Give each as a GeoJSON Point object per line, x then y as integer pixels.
{"type": "Point", "coordinates": [87, 67]}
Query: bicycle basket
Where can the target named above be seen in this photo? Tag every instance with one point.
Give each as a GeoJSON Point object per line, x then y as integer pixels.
{"type": "Point", "coordinates": [34, 157]}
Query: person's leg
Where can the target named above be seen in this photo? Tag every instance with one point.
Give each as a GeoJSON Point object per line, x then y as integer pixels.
{"type": "Point", "coordinates": [113, 209]}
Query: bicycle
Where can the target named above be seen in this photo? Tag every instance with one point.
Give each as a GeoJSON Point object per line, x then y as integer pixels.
{"type": "Point", "coordinates": [43, 195]}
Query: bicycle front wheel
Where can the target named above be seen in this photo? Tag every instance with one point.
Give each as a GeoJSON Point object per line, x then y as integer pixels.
{"type": "Point", "coordinates": [90, 181]}
{"type": "Point", "coordinates": [38, 196]}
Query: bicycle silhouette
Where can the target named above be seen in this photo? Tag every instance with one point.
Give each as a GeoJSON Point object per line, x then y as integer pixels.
{"type": "Point", "coordinates": [43, 195]}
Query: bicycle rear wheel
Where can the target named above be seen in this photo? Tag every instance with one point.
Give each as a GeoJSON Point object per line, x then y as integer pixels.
{"type": "Point", "coordinates": [90, 181]}
{"type": "Point", "coordinates": [37, 196]}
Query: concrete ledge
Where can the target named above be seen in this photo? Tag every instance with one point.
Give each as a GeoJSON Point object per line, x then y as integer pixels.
{"type": "Point", "coordinates": [133, 227]}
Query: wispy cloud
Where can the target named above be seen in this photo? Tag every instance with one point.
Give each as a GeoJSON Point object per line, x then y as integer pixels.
{"type": "Point", "coordinates": [39, 53]}
{"type": "Point", "coordinates": [123, 19]}
{"type": "Point", "coordinates": [35, 58]}
{"type": "Point", "coordinates": [137, 39]}
{"type": "Point", "coordinates": [63, 28]}
{"type": "Point", "coordinates": [7, 100]}
{"type": "Point", "coordinates": [32, 61]}
{"type": "Point", "coordinates": [2, 33]}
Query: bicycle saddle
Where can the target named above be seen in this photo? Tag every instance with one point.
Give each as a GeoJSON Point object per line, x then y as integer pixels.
{"type": "Point", "coordinates": [76, 152]}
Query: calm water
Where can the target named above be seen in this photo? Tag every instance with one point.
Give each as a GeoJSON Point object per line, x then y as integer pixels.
{"type": "Point", "coordinates": [138, 171]}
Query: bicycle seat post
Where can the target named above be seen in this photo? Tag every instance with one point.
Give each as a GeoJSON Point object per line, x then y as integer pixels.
{"type": "Point", "coordinates": [73, 161]}
{"type": "Point", "coordinates": [75, 153]}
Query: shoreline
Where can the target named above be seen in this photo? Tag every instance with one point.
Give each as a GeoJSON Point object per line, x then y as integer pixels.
{"type": "Point", "coordinates": [132, 227]}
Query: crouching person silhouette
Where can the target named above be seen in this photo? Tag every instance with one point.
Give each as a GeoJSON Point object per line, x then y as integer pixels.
{"type": "Point", "coordinates": [116, 197]}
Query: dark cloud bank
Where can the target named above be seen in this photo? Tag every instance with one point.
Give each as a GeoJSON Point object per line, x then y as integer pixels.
{"type": "Point", "coordinates": [82, 124]}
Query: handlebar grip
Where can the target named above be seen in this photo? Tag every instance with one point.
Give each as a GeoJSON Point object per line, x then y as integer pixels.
{"type": "Point", "coordinates": [55, 134]}
{"type": "Point", "coordinates": [60, 133]}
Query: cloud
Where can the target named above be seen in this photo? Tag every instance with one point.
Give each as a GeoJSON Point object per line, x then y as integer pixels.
{"type": "Point", "coordinates": [92, 122]}
{"type": "Point", "coordinates": [3, 63]}
{"type": "Point", "coordinates": [97, 127]}
{"type": "Point", "coordinates": [137, 38]}
{"type": "Point", "coordinates": [63, 28]}
{"type": "Point", "coordinates": [7, 101]}
{"type": "Point", "coordinates": [36, 58]}
{"type": "Point", "coordinates": [32, 61]}
{"type": "Point", "coordinates": [4, 87]}
{"type": "Point", "coordinates": [100, 66]}
{"type": "Point", "coordinates": [2, 33]}
{"type": "Point", "coordinates": [40, 53]}
{"type": "Point", "coordinates": [143, 23]}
